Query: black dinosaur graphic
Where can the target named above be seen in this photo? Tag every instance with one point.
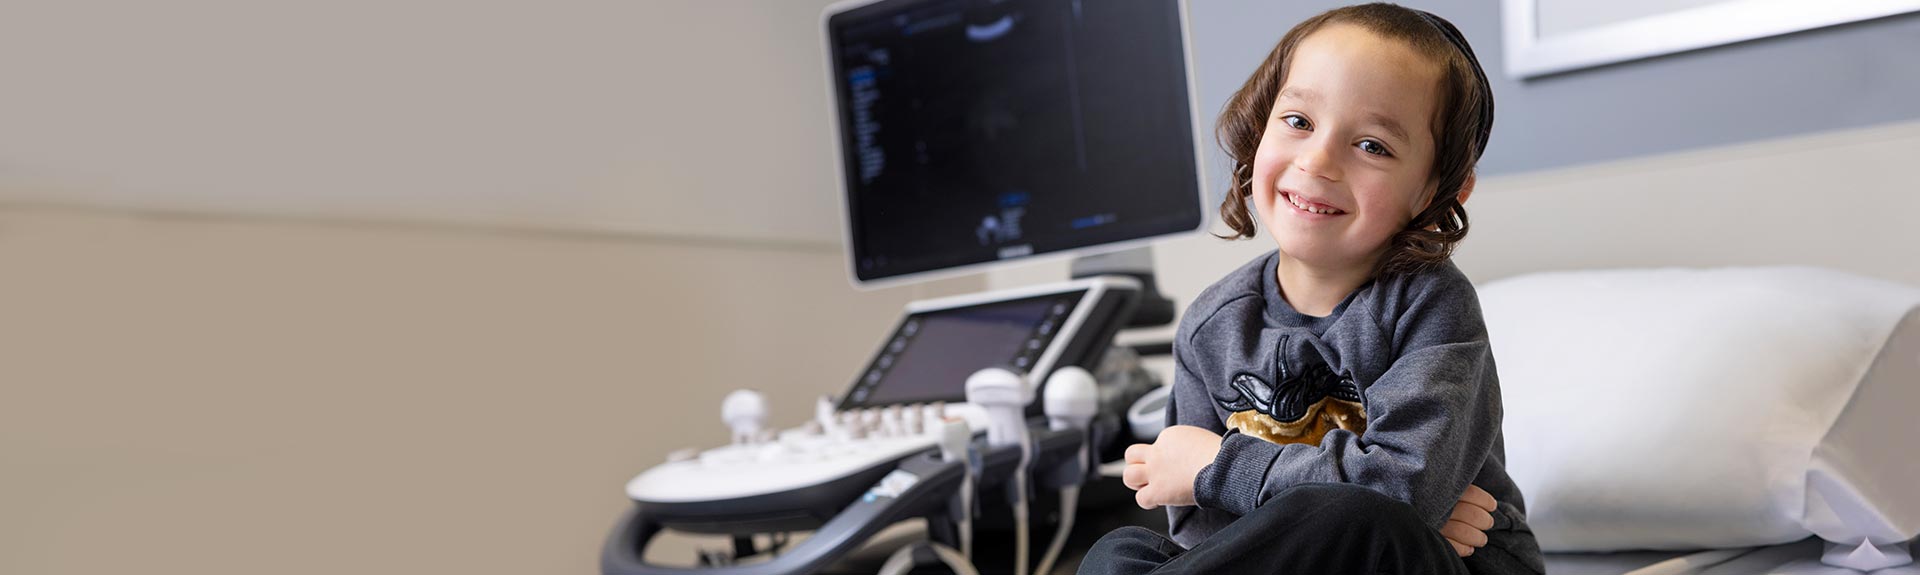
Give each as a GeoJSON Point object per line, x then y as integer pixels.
{"type": "Point", "coordinates": [1305, 381]}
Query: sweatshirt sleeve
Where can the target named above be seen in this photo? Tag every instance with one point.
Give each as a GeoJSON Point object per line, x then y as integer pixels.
{"type": "Point", "coordinates": [1433, 417]}
{"type": "Point", "coordinates": [1190, 404]}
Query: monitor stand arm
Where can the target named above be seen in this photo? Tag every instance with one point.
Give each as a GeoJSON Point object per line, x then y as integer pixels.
{"type": "Point", "coordinates": [1154, 308]}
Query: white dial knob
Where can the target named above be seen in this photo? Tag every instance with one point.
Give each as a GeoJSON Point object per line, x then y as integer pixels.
{"type": "Point", "coordinates": [891, 424]}
{"type": "Point", "coordinates": [745, 412]}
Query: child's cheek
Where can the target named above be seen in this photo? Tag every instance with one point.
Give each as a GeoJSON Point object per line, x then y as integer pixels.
{"type": "Point", "coordinates": [1268, 164]}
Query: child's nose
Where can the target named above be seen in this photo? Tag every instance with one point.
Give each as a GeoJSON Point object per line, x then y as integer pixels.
{"type": "Point", "coordinates": [1319, 159]}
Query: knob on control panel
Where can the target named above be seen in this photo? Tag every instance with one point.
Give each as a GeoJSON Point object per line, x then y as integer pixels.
{"type": "Point", "coordinates": [745, 412]}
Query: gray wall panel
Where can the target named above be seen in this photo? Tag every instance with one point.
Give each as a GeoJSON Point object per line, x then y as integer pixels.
{"type": "Point", "coordinates": [1847, 76]}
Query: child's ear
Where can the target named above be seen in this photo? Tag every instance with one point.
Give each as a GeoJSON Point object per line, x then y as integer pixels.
{"type": "Point", "coordinates": [1466, 189]}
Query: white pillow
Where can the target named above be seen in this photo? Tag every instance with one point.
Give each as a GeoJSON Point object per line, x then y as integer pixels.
{"type": "Point", "coordinates": [1685, 409]}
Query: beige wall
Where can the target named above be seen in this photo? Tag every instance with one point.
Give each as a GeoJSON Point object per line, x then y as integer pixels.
{"type": "Point", "coordinates": [617, 115]}
{"type": "Point", "coordinates": [188, 395]}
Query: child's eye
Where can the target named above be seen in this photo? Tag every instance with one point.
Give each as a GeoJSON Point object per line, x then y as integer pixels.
{"type": "Point", "coordinates": [1296, 122]}
{"type": "Point", "coordinates": [1373, 147]}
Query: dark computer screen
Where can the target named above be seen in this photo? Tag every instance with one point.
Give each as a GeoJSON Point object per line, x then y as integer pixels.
{"type": "Point", "coordinates": [979, 130]}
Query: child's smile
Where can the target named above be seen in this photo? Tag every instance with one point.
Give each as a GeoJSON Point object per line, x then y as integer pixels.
{"type": "Point", "coordinates": [1310, 208]}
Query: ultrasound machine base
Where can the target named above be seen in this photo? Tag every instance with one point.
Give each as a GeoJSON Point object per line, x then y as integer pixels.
{"type": "Point", "coordinates": [931, 483]}
{"type": "Point", "coordinates": [921, 485]}
{"type": "Point", "coordinates": [871, 460]}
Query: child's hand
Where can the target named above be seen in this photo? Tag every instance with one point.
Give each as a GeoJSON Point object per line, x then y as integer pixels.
{"type": "Point", "coordinates": [1163, 473]}
{"type": "Point", "coordinates": [1472, 517]}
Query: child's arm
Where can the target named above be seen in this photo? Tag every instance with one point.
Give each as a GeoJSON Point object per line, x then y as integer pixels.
{"type": "Point", "coordinates": [1193, 440]}
{"type": "Point", "coordinates": [1433, 417]}
{"type": "Point", "coordinates": [1189, 448]}
{"type": "Point", "coordinates": [1190, 442]}
{"type": "Point", "coordinates": [1189, 408]}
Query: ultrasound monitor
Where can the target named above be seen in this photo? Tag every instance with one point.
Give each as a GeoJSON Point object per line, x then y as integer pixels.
{"type": "Point", "coordinates": [975, 131]}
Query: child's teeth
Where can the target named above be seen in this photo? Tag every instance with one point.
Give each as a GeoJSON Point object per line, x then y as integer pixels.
{"type": "Point", "coordinates": [1303, 207]}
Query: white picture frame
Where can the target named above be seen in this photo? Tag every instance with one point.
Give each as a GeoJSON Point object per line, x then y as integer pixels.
{"type": "Point", "coordinates": [1530, 54]}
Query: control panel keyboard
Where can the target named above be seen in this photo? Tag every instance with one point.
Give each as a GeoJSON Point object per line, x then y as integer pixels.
{"type": "Point", "coordinates": [833, 446]}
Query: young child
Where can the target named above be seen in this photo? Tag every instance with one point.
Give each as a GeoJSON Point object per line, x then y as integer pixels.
{"type": "Point", "coordinates": [1335, 407]}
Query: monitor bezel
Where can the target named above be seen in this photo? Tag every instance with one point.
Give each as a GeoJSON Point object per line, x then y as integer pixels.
{"type": "Point", "coordinates": [846, 206]}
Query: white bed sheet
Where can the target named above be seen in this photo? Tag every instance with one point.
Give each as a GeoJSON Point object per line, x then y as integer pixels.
{"type": "Point", "coordinates": [1798, 558]}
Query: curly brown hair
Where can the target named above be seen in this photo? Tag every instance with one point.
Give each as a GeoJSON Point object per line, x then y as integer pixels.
{"type": "Point", "coordinates": [1461, 127]}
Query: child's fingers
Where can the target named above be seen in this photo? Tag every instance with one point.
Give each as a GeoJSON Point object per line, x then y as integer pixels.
{"type": "Point", "coordinates": [1144, 497]}
{"type": "Point", "coordinates": [1479, 498]}
{"type": "Point", "coordinates": [1134, 476]}
{"type": "Point", "coordinates": [1137, 453]}
{"type": "Point", "coordinates": [1464, 534]}
{"type": "Point", "coordinates": [1474, 517]}
{"type": "Point", "coordinates": [1459, 549]}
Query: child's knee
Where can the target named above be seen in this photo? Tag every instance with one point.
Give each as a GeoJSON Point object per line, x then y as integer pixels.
{"type": "Point", "coordinates": [1130, 549]}
{"type": "Point", "coordinates": [1343, 507]}
{"type": "Point", "coordinates": [1343, 494]}
{"type": "Point", "coordinates": [1130, 540]}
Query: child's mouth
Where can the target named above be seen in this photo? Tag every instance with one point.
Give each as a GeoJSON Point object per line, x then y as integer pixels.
{"type": "Point", "coordinates": [1305, 207]}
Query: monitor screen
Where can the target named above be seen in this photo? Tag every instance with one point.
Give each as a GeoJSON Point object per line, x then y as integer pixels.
{"type": "Point", "coordinates": [973, 131]}
{"type": "Point", "coordinates": [932, 353]}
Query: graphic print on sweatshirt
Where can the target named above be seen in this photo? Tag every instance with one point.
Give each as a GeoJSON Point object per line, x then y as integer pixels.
{"type": "Point", "coordinates": [1308, 399]}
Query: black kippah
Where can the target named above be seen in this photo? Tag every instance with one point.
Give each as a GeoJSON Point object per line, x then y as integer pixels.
{"type": "Point", "coordinates": [1486, 90]}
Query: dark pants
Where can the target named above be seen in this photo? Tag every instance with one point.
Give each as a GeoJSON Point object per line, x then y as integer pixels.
{"type": "Point", "coordinates": [1320, 528]}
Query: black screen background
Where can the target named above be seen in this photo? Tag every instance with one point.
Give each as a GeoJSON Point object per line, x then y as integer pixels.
{"type": "Point", "coordinates": [1074, 122]}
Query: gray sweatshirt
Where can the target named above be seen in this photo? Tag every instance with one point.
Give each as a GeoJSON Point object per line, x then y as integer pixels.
{"type": "Point", "coordinates": [1410, 351]}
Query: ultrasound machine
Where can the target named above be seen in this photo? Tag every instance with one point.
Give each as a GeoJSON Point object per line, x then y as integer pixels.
{"type": "Point", "coordinates": [970, 133]}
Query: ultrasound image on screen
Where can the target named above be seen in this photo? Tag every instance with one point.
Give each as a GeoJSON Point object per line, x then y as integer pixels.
{"type": "Point", "coordinates": [976, 130]}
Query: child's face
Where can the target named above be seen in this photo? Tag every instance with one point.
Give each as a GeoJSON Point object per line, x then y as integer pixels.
{"type": "Point", "coordinates": [1350, 137]}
